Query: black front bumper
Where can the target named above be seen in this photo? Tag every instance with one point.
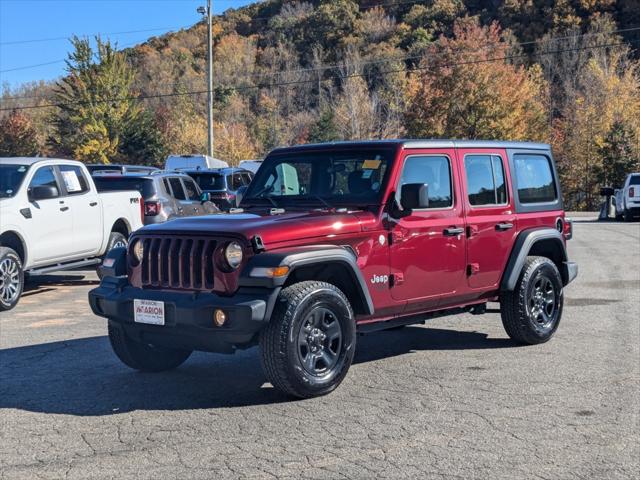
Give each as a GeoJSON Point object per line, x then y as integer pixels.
{"type": "Point", "coordinates": [188, 316]}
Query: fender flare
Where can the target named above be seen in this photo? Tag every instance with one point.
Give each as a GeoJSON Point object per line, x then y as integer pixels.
{"type": "Point", "coordinates": [523, 244]}
{"type": "Point", "coordinates": [297, 257]}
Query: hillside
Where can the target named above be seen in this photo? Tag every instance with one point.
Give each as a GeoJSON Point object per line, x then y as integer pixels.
{"type": "Point", "coordinates": [290, 72]}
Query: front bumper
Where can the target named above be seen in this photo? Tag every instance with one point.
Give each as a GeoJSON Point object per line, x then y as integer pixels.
{"type": "Point", "coordinates": [188, 316]}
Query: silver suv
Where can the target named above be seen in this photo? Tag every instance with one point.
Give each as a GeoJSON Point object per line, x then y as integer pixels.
{"type": "Point", "coordinates": [165, 195]}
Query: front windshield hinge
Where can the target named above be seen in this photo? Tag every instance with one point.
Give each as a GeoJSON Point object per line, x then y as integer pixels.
{"type": "Point", "coordinates": [257, 244]}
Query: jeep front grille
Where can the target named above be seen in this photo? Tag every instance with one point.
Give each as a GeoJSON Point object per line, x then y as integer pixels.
{"type": "Point", "coordinates": [178, 263]}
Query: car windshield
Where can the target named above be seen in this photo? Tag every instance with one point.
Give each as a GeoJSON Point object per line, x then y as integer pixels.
{"type": "Point", "coordinates": [115, 183]}
{"type": "Point", "coordinates": [209, 181]}
{"type": "Point", "coordinates": [331, 178]}
{"type": "Point", "coordinates": [11, 177]}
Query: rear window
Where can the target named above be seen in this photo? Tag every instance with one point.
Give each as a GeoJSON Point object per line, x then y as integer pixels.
{"type": "Point", "coordinates": [110, 184]}
{"type": "Point", "coordinates": [535, 180]}
{"type": "Point", "coordinates": [635, 180]}
{"type": "Point", "coordinates": [209, 181]}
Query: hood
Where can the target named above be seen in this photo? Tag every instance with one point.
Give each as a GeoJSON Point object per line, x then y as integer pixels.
{"type": "Point", "coordinates": [271, 228]}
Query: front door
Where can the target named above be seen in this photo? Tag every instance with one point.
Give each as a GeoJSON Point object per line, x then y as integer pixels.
{"type": "Point", "coordinates": [491, 218]}
{"type": "Point", "coordinates": [427, 251]}
{"type": "Point", "coordinates": [50, 228]}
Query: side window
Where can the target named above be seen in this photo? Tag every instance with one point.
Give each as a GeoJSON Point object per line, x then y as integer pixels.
{"type": "Point", "coordinates": [236, 181]}
{"type": "Point", "coordinates": [191, 189]}
{"type": "Point", "coordinates": [246, 178]}
{"type": "Point", "coordinates": [534, 177]}
{"type": "Point", "coordinates": [167, 187]}
{"type": "Point", "coordinates": [74, 180]}
{"type": "Point", "coordinates": [44, 176]}
{"type": "Point", "coordinates": [434, 171]}
{"type": "Point", "coordinates": [485, 180]}
{"type": "Point", "coordinates": [176, 186]}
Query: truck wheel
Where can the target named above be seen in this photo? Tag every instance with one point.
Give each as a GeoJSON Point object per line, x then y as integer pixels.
{"type": "Point", "coordinates": [11, 278]}
{"type": "Point", "coordinates": [116, 239]}
{"type": "Point", "coordinates": [308, 346]}
{"type": "Point", "coordinates": [142, 356]}
{"type": "Point", "coordinates": [531, 312]}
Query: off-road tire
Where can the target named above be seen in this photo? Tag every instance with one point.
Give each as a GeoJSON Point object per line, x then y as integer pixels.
{"type": "Point", "coordinates": [141, 356]}
{"type": "Point", "coordinates": [11, 271]}
{"type": "Point", "coordinates": [515, 306]}
{"type": "Point", "coordinates": [114, 239]}
{"type": "Point", "coordinates": [280, 345]}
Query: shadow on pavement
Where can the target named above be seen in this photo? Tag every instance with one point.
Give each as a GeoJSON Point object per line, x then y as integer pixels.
{"type": "Point", "coordinates": [45, 283]}
{"type": "Point", "coordinates": [83, 377]}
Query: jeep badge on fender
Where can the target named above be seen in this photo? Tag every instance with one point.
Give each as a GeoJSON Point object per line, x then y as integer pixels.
{"type": "Point", "coordinates": [354, 237]}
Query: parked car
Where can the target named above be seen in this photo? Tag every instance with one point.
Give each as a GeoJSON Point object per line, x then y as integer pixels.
{"type": "Point", "coordinates": [628, 198]}
{"type": "Point", "coordinates": [53, 218]}
{"type": "Point", "coordinates": [222, 184]}
{"type": "Point", "coordinates": [166, 195]}
{"type": "Point", "coordinates": [194, 162]}
{"type": "Point", "coordinates": [123, 169]}
{"type": "Point", "coordinates": [346, 238]}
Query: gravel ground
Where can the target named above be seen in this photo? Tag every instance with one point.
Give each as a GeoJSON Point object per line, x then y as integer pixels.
{"type": "Point", "coordinates": [454, 398]}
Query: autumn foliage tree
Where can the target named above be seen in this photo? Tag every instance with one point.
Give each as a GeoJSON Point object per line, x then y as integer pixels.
{"type": "Point", "coordinates": [17, 136]}
{"type": "Point", "coordinates": [467, 88]}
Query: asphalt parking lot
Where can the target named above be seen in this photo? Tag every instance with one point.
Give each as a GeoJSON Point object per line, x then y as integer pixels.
{"type": "Point", "coordinates": [453, 399]}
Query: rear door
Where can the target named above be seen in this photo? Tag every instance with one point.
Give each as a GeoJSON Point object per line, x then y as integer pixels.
{"type": "Point", "coordinates": [180, 197]}
{"type": "Point", "coordinates": [50, 228]}
{"type": "Point", "coordinates": [192, 192]}
{"type": "Point", "coordinates": [84, 204]}
{"type": "Point", "coordinates": [491, 219]}
{"type": "Point", "coordinates": [427, 251]}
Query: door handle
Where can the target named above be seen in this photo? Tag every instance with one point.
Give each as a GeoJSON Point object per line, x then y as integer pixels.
{"type": "Point", "coordinates": [93, 204]}
{"type": "Point", "coordinates": [64, 209]}
{"type": "Point", "coordinates": [453, 231]}
{"type": "Point", "coordinates": [504, 226]}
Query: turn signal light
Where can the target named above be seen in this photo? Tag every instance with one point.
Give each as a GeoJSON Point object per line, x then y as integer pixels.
{"type": "Point", "coordinates": [273, 272]}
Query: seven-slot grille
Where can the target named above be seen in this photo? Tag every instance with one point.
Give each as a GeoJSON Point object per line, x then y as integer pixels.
{"type": "Point", "coordinates": [178, 262]}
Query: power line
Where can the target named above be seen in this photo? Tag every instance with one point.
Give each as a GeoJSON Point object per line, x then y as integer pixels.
{"type": "Point", "coordinates": [383, 61]}
{"type": "Point", "coordinates": [297, 82]}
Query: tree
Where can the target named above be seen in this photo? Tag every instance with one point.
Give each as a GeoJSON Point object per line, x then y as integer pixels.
{"type": "Point", "coordinates": [17, 136]}
{"type": "Point", "coordinates": [233, 143]}
{"type": "Point", "coordinates": [466, 89]}
{"type": "Point", "coordinates": [98, 110]}
{"type": "Point", "coordinates": [620, 155]}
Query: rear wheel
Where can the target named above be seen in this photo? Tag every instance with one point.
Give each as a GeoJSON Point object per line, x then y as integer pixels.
{"type": "Point", "coordinates": [308, 346]}
{"type": "Point", "coordinates": [531, 312]}
{"type": "Point", "coordinates": [116, 240]}
{"type": "Point", "coordinates": [143, 356]}
{"type": "Point", "coordinates": [11, 278]}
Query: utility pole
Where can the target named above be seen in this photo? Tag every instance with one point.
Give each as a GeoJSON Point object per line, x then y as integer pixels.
{"type": "Point", "coordinates": [207, 10]}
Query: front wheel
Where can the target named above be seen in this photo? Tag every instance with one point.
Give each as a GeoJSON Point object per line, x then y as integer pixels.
{"type": "Point", "coordinates": [143, 356]}
{"type": "Point", "coordinates": [11, 278]}
{"type": "Point", "coordinates": [531, 312]}
{"type": "Point", "coordinates": [116, 240]}
{"type": "Point", "coordinates": [308, 346]}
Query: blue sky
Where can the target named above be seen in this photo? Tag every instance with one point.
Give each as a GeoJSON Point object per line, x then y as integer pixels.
{"type": "Point", "coordinates": [22, 21]}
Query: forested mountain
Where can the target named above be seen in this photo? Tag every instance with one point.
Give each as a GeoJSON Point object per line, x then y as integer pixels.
{"type": "Point", "coordinates": [285, 72]}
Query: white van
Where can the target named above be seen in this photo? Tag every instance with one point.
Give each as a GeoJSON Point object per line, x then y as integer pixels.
{"type": "Point", "coordinates": [251, 165]}
{"type": "Point", "coordinates": [193, 162]}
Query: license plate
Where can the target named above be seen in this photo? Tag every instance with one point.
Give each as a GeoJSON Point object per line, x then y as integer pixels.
{"type": "Point", "coordinates": [148, 311]}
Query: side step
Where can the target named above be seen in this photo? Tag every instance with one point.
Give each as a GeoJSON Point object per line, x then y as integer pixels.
{"type": "Point", "coordinates": [64, 266]}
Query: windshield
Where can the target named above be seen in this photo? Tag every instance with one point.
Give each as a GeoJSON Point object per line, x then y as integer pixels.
{"type": "Point", "coordinates": [110, 184]}
{"type": "Point", "coordinates": [11, 177]}
{"type": "Point", "coordinates": [332, 178]}
{"type": "Point", "coordinates": [209, 181]}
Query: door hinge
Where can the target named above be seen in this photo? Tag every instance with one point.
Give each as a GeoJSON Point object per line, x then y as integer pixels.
{"type": "Point", "coordinates": [473, 268]}
{"type": "Point", "coordinates": [396, 279]}
{"type": "Point", "coordinates": [472, 230]}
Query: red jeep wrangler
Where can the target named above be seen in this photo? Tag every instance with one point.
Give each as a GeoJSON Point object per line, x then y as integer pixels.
{"type": "Point", "coordinates": [337, 239]}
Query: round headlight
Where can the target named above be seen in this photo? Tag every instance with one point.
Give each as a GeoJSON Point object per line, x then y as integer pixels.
{"type": "Point", "coordinates": [138, 250]}
{"type": "Point", "coordinates": [233, 254]}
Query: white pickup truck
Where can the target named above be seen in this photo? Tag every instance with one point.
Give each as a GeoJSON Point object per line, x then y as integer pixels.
{"type": "Point", "coordinates": [628, 198]}
{"type": "Point", "coordinates": [52, 218]}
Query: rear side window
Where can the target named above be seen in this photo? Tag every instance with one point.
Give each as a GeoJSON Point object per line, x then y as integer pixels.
{"type": "Point", "coordinates": [534, 176]}
{"type": "Point", "coordinates": [44, 176]}
{"type": "Point", "coordinates": [191, 189]}
{"type": "Point", "coordinates": [485, 180]}
{"type": "Point", "coordinates": [176, 187]}
{"type": "Point", "coordinates": [74, 180]}
{"type": "Point", "coordinates": [435, 171]}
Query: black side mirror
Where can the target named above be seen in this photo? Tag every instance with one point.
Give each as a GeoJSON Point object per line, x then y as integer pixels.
{"type": "Point", "coordinates": [205, 197]}
{"type": "Point", "coordinates": [607, 191]}
{"type": "Point", "coordinates": [414, 195]}
{"type": "Point", "coordinates": [43, 192]}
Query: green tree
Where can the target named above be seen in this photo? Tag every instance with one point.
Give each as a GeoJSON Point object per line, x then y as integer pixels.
{"type": "Point", "coordinates": [324, 130]}
{"type": "Point", "coordinates": [99, 119]}
{"type": "Point", "coordinates": [17, 136]}
{"type": "Point", "coordinates": [619, 155]}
